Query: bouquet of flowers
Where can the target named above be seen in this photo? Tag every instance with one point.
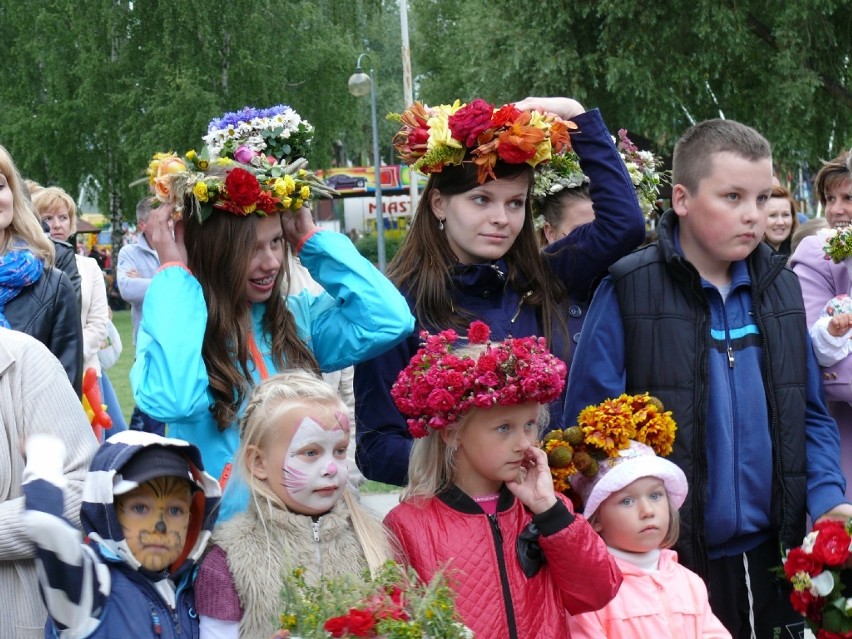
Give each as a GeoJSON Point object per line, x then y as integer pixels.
{"type": "Point", "coordinates": [433, 137]}
{"type": "Point", "coordinates": [604, 430]}
{"type": "Point", "coordinates": [814, 571]}
{"type": "Point", "coordinates": [395, 604]}
{"type": "Point", "coordinates": [838, 244]}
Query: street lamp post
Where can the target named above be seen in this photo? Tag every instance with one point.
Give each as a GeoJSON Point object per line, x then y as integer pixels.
{"type": "Point", "coordinates": [359, 85]}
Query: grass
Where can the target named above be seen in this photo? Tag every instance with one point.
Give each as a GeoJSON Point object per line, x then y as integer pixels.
{"type": "Point", "coordinates": [119, 375]}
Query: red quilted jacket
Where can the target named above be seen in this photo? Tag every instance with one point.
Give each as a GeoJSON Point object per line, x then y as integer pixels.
{"type": "Point", "coordinates": [495, 598]}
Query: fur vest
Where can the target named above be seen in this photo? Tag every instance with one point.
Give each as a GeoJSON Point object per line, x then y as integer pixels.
{"type": "Point", "coordinates": [263, 545]}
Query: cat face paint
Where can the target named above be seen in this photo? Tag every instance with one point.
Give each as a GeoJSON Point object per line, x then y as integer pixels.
{"type": "Point", "coordinates": [155, 519]}
{"type": "Point", "coordinates": [314, 471]}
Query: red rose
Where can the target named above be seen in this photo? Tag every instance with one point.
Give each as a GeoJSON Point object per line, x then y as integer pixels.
{"type": "Point", "coordinates": [417, 137]}
{"type": "Point", "coordinates": [358, 623]}
{"type": "Point", "coordinates": [800, 561]}
{"type": "Point", "coordinates": [832, 543]}
{"type": "Point", "coordinates": [478, 332]}
{"type": "Point", "coordinates": [336, 626]}
{"type": "Point", "coordinates": [440, 400]}
{"type": "Point", "coordinates": [807, 604]}
{"type": "Point", "coordinates": [472, 119]}
{"type": "Point", "coordinates": [505, 115]}
{"type": "Point", "coordinates": [242, 187]}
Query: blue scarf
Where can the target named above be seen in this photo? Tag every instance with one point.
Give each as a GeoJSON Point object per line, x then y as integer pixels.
{"type": "Point", "coordinates": [18, 268]}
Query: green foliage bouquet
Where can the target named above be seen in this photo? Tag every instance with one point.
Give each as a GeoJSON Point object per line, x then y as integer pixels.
{"type": "Point", "coordinates": [395, 604]}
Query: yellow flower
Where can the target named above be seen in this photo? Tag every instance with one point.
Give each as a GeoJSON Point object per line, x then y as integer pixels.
{"type": "Point", "coordinates": [297, 204]}
{"type": "Point", "coordinates": [203, 164]}
{"type": "Point", "coordinates": [200, 191]}
{"type": "Point", "coordinates": [439, 127]}
{"type": "Point", "coordinates": [191, 155]}
{"type": "Point", "coordinates": [285, 202]}
{"type": "Point", "coordinates": [301, 173]}
{"type": "Point", "coordinates": [284, 186]}
{"type": "Point", "coordinates": [305, 192]}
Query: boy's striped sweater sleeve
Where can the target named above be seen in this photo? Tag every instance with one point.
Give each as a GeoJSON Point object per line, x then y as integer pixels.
{"type": "Point", "coordinates": [74, 582]}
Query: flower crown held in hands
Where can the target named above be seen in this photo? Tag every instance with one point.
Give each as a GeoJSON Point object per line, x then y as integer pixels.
{"type": "Point", "coordinates": [814, 571]}
{"type": "Point", "coordinates": [603, 431]}
{"type": "Point", "coordinates": [838, 244]}
{"type": "Point", "coordinates": [564, 172]}
{"type": "Point", "coordinates": [263, 186]}
{"type": "Point", "coordinates": [434, 137]}
{"type": "Point", "coordinates": [439, 385]}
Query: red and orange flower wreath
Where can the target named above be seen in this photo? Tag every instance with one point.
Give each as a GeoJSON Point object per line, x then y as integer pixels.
{"type": "Point", "coordinates": [434, 137]}
{"type": "Point", "coordinates": [441, 383]}
{"type": "Point", "coordinates": [814, 571]}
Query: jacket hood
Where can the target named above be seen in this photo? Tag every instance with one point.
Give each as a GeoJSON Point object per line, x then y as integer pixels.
{"type": "Point", "coordinates": [98, 515]}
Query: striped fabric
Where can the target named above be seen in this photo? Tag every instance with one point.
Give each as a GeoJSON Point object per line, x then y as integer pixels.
{"type": "Point", "coordinates": [75, 576]}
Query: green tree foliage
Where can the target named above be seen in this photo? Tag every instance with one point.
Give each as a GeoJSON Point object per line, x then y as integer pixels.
{"type": "Point", "coordinates": [95, 87]}
{"type": "Point", "coordinates": [653, 67]}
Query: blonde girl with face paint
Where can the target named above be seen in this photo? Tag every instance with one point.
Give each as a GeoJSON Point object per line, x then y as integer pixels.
{"type": "Point", "coordinates": [292, 456]}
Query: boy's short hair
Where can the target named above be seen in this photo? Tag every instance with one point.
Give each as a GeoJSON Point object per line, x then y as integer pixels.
{"type": "Point", "coordinates": [694, 151]}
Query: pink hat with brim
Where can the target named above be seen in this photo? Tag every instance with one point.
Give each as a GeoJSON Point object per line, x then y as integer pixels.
{"type": "Point", "coordinates": [615, 473]}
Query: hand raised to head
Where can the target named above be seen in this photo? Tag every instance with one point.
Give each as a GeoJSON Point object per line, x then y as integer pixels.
{"type": "Point", "coordinates": [166, 238]}
{"type": "Point", "coordinates": [297, 225]}
{"type": "Point", "coordinates": [565, 108]}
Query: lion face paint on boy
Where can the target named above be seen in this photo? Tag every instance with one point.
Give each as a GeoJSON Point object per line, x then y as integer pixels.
{"type": "Point", "coordinates": [155, 520]}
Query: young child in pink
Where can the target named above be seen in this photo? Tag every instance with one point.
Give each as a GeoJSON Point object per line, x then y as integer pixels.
{"type": "Point", "coordinates": [480, 503]}
{"type": "Point", "coordinates": [632, 502]}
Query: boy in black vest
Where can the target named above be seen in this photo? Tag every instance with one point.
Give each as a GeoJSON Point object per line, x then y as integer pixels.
{"type": "Point", "coordinates": [711, 322]}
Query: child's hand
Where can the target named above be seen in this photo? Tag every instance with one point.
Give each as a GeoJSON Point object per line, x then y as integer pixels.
{"type": "Point", "coordinates": [565, 108]}
{"type": "Point", "coordinates": [534, 486]}
{"type": "Point", "coordinates": [166, 235]}
{"type": "Point", "coordinates": [840, 324]}
{"type": "Point", "coordinates": [297, 225]}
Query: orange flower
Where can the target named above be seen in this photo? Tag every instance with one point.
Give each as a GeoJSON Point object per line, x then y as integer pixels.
{"type": "Point", "coordinates": [518, 143]}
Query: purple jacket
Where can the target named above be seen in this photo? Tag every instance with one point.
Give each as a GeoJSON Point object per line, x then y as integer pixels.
{"type": "Point", "coordinates": [822, 279]}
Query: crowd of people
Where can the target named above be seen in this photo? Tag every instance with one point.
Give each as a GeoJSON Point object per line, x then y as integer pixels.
{"type": "Point", "coordinates": [525, 291]}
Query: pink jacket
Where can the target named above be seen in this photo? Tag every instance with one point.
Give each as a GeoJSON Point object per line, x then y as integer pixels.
{"type": "Point", "coordinates": [669, 603]}
{"type": "Point", "coordinates": [452, 532]}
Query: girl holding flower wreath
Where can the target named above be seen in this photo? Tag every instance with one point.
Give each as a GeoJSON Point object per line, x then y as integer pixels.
{"type": "Point", "coordinates": [480, 503]}
{"type": "Point", "coordinates": [214, 323]}
{"type": "Point", "coordinates": [472, 252]}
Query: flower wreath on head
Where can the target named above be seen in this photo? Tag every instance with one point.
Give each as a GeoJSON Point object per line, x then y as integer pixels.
{"type": "Point", "coordinates": [814, 569]}
{"type": "Point", "coordinates": [439, 385]}
{"type": "Point", "coordinates": [434, 137]}
{"type": "Point", "coordinates": [253, 163]}
{"type": "Point", "coordinates": [603, 431]}
{"type": "Point", "coordinates": [278, 132]}
{"type": "Point", "coordinates": [564, 172]}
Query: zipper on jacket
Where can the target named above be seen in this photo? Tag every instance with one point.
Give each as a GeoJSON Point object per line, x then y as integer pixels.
{"type": "Point", "coordinates": [504, 576]}
{"type": "Point", "coordinates": [730, 356]}
{"type": "Point", "coordinates": [315, 526]}
{"type": "Point", "coordinates": [500, 273]}
{"type": "Point", "coordinates": [520, 304]}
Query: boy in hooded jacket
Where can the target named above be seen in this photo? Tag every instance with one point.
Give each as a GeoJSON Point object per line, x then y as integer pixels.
{"type": "Point", "coordinates": [148, 510]}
